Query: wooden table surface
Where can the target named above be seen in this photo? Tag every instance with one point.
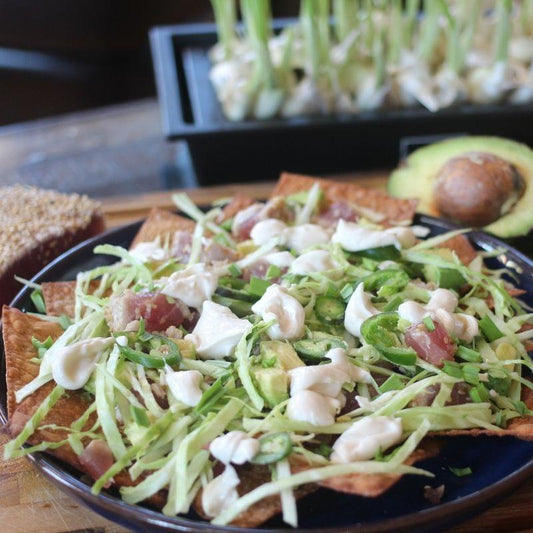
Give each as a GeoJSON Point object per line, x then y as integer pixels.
{"type": "Point", "coordinates": [66, 150]}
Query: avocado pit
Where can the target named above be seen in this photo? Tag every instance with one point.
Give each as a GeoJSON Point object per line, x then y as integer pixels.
{"type": "Point", "coordinates": [477, 188]}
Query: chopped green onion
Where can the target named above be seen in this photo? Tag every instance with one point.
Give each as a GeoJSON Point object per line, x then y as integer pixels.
{"type": "Point", "coordinates": [500, 419]}
{"type": "Point", "coordinates": [212, 394]}
{"type": "Point", "coordinates": [428, 322]}
{"type": "Point", "coordinates": [521, 408]}
{"type": "Point", "coordinates": [227, 224]}
{"type": "Point", "coordinates": [235, 270]}
{"type": "Point", "coordinates": [471, 374]}
{"type": "Point", "coordinates": [258, 286]}
{"type": "Point", "coordinates": [273, 272]}
{"type": "Point", "coordinates": [38, 301]}
{"type": "Point", "coordinates": [479, 394]}
{"type": "Point", "coordinates": [346, 291]}
{"type": "Point", "coordinates": [393, 304]}
{"type": "Point", "coordinates": [154, 360]}
{"type": "Point", "coordinates": [41, 347]}
{"type": "Point", "coordinates": [467, 354]}
{"type": "Point", "coordinates": [460, 472]}
{"type": "Point", "coordinates": [452, 369]}
{"type": "Point", "coordinates": [489, 329]}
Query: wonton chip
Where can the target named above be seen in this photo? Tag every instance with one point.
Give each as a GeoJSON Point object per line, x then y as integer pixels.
{"type": "Point", "coordinates": [18, 329]}
{"type": "Point", "coordinates": [238, 203]}
{"type": "Point", "coordinates": [370, 485]}
{"type": "Point", "coordinates": [163, 225]}
{"type": "Point", "coordinates": [60, 296]}
{"type": "Point", "coordinates": [462, 247]}
{"type": "Point", "coordinates": [251, 477]}
{"type": "Point", "coordinates": [374, 204]}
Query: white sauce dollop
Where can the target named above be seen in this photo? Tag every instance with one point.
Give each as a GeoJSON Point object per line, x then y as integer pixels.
{"type": "Point", "coordinates": [193, 285]}
{"type": "Point", "coordinates": [313, 261]}
{"type": "Point", "coordinates": [365, 438]}
{"type": "Point", "coordinates": [220, 492]}
{"type": "Point", "coordinates": [316, 390]}
{"type": "Point", "coordinates": [185, 386]}
{"type": "Point", "coordinates": [234, 447]}
{"type": "Point", "coordinates": [73, 365]}
{"type": "Point", "coordinates": [149, 251]}
{"type": "Point", "coordinates": [280, 259]}
{"type": "Point", "coordinates": [267, 229]}
{"type": "Point", "coordinates": [354, 237]}
{"type": "Point", "coordinates": [313, 408]}
{"type": "Point", "coordinates": [217, 332]}
{"type": "Point", "coordinates": [302, 237]}
{"type": "Point", "coordinates": [327, 379]}
{"type": "Point", "coordinates": [359, 308]}
{"type": "Point", "coordinates": [288, 312]}
{"type": "Point", "coordinates": [441, 307]}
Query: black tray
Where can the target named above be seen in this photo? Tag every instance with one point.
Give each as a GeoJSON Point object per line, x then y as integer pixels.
{"type": "Point", "coordinates": [226, 151]}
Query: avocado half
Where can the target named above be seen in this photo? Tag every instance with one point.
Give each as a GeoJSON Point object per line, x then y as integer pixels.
{"type": "Point", "coordinates": [416, 177]}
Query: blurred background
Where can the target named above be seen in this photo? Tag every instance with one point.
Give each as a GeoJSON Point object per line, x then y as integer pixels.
{"type": "Point", "coordinates": [60, 56]}
{"type": "Point", "coordinates": [78, 107]}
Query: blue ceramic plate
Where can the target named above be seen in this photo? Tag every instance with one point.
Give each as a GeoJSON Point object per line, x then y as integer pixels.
{"type": "Point", "coordinates": [403, 508]}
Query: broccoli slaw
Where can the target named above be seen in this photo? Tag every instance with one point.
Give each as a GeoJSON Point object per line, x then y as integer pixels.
{"type": "Point", "coordinates": [340, 346]}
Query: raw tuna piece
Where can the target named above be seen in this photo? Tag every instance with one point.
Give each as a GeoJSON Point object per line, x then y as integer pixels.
{"type": "Point", "coordinates": [435, 346]}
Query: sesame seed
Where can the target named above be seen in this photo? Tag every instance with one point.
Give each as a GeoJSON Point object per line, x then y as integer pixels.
{"type": "Point", "coordinates": [32, 217]}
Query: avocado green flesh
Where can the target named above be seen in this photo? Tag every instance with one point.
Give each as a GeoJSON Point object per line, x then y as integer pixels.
{"type": "Point", "coordinates": [284, 354]}
{"type": "Point", "coordinates": [273, 384]}
{"type": "Point", "coordinates": [416, 178]}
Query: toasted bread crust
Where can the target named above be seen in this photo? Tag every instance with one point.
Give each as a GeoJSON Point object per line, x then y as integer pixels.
{"type": "Point", "coordinates": [37, 226]}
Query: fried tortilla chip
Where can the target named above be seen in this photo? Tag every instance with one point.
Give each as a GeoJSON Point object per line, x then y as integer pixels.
{"type": "Point", "coordinates": [462, 248]}
{"type": "Point", "coordinates": [60, 296]}
{"type": "Point", "coordinates": [162, 224]}
{"type": "Point", "coordinates": [521, 428]}
{"type": "Point", "coordinates": [375, 204]}
{"type": "Point", "coordinates": [238, 203]}
{"type": "Point", "coordinates": [18, 329]}
{"type": "Point", "coordinates": [253, 476]}
{"type": "Point", "coordinates": [370, 485]}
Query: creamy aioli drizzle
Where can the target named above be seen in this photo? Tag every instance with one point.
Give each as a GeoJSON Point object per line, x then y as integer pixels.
{"type": "Point", "coordinates": [365, 438]}
{"type": "Point", "coordinates": [353, 237]}
{"type": "Point", "coordinates": [149, 251]}
{"type": "Point", "coordinates": [313, 261]}
{"type": "Point", "coordinates": [217, 332]}
{"type": "Point", "coordinates": [316, 390]}
{"type": "Point", "coordinates": [185, 386]}
{"type": "Point", "coordinates": [288, 312]}
{"type": "Point", "coordinates": [234, 447]}
{"type": "Point", "coordinates": [220, 492]}
{"type": "Point", "coordinates": [441, 307]}
{"type": "Point", "coordinates": [193, 285]}
{"type": "Point", "coordinates": [359, 308]}
{"type": "Point", "coordinates": [73, 365]}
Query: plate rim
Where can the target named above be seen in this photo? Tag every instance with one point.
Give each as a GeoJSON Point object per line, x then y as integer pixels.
{"type": "Point", "coordinates": [112, 507]}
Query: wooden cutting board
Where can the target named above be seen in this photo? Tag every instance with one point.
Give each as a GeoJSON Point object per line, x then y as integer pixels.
{"type": "Point", "coordinates": [30, 503]}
